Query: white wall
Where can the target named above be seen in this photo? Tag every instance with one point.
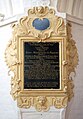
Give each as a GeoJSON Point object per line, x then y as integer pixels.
{"type": "Point", "coordinates": [75, 107]}
{"type": "Point", "coordinates": [8, 108]}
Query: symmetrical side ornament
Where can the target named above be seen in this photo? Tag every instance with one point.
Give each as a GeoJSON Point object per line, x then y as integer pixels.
{"type": "Point", "coordinates": [56, 29]}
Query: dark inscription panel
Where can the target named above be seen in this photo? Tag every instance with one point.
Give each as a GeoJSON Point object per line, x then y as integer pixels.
{"type": "Point", "coordinates": [41, 65]}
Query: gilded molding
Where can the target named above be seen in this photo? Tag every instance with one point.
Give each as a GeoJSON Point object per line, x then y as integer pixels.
{"type": "Point", "coordinates": [58, 31]}
{"type": "Point", "coordinates": [43, 103]}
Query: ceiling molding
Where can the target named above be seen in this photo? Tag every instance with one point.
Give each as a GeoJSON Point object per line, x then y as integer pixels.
{"type": "Point", "coordinates": [72, 7]}
{"type": "Point", "coordinates": [74, 19]}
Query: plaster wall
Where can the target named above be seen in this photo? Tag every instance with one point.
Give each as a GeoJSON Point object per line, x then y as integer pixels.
{"type": "Point", "coordinates": [8, 108]}
{"type": "Point", "coordinates": [75, 107]}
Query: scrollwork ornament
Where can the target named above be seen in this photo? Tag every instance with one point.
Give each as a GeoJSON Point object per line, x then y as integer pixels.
{"type": "Point", "coordinates": [25, 28]}
{"type": "Point", "coordinates": [13, 62]}
{"type": "Point", "coordinates": [72, 54]}
{"type": "Point", "coordinates": [24, 102]}
{"type": "Point", "coordinates": [72, 60]}
{"type": "Point", "coordinates": [61, 102]}
{"type": "Point", "coordinates": [56, 31]}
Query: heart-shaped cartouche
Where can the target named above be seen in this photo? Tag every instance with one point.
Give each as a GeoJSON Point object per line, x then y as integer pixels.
{"type": "Point", "coordinates": [41, 24]}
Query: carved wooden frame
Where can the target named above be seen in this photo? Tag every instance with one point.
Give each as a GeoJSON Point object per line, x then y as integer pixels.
{"type": "Point", "coordinates": [58, 31]}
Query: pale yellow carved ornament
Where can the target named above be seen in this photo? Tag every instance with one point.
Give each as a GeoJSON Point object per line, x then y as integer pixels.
{"type": "Point", "coordinates": [42, 100]}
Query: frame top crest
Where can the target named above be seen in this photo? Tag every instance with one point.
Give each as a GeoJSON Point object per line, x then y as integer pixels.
{"type": "Point", "coordinates": [31, 24]}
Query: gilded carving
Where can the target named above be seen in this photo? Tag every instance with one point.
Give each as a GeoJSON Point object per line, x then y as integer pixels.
{"type": "Point", "coordinates": [42, 103]}
{"type": "Point", "coordinates": [72, 55]}
{"type": "Point", "coordinates": [60, 102]}
{"type": "Point", "coordinates": [58, 31]}
{"type": "Point", "coordinates": [57, 26]}
{"type": "Point", "coordinates": [72, 60]}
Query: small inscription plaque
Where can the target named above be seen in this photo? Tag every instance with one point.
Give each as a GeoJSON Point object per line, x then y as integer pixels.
{"type": "Point", "coordinates": [41, 65]}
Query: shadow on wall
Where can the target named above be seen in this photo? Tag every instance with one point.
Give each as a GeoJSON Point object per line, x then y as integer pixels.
{"type": "Point", "coordinates": [8, 106]}
{"type": "Point", "coordinates": [75, 107]}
